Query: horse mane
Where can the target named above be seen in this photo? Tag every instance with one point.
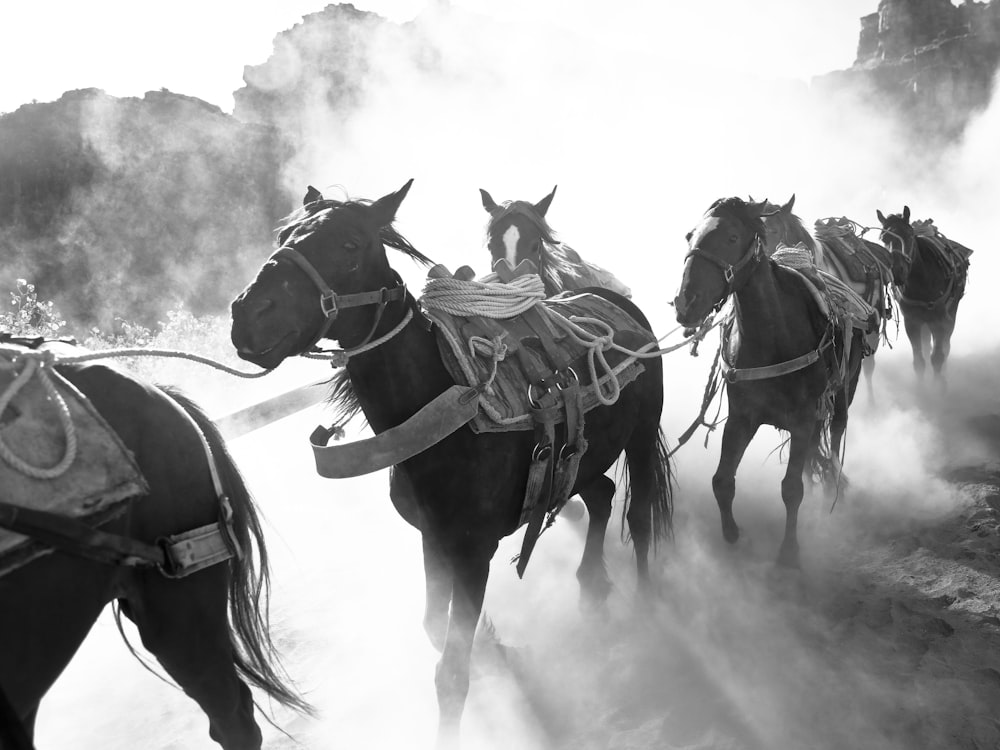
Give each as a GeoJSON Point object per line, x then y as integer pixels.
{"type": "Point", "coordinates": [556, 258]}
{"type": "Point", "coordinates": [313, 216]}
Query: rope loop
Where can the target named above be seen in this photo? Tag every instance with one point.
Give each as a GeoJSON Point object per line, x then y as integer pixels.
{"type": "Point", "coordinates": [35, 364]}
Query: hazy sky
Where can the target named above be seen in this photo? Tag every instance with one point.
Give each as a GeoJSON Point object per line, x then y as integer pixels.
{"type": "Point", "coordinates": [199, 47]}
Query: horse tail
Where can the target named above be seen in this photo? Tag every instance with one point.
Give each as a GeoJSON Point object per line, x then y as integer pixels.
{"type": "Point", "coordinates": [254, 654]}
{"type": "Point", "coordinates": [663, 486]}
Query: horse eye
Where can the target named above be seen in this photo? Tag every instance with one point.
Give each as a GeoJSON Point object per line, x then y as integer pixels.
{"type": "Point", "coordinates": [733, 239]}
{"type": "Point", "coordinates": [351, 245]}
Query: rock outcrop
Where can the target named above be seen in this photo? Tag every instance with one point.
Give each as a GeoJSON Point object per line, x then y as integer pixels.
{"type": "Point", "coordinates": [932, 61]}
{"type": "Point", "coordinates": [122, 208]}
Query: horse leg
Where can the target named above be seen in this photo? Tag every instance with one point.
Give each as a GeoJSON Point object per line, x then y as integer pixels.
{"type": "Point", "coordinates": [868, 367]}
{"type": "Point", "coordinates": [801, 444]}
{"type": "Point", "coordinates": [15, 733]}
{"type": "Point", "coordinates": [184, 624]}
{"type": "Point", "coordinates": [592, 573]}
{"type": "Point", "coordinates": [914, 332]}
{"type": "Point", "coordinates": [736, 436]}
{"type": "Point", "coordinates": [438, 575]}
{"type": "Point", "coordinates": [941, 333]}
{"type": "Point", "coordinates": [471, 568]}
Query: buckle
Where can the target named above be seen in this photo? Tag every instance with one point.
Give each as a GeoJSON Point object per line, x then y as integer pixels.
{"type": "Point", "coordinates": [729, 274]}
{"type": "Point", "coordinates": [541, 452]}
{"type": "Point", "coordinates": [328, 304]}
{"type": "Point", "coordinates": [534, 402]}
{"type": "Point", "coordinates": [566, 379]}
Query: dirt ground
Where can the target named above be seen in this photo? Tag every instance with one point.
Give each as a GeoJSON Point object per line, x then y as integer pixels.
{"type": "Point", "coordinates": [888, 638]}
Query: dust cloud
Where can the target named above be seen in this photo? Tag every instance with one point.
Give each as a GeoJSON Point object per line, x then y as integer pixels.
{"type": "Point", "coordinates": [731, 653]}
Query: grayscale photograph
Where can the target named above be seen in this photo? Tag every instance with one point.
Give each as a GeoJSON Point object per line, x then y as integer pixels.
{"type": "Point", "coordinates": [468, 375]}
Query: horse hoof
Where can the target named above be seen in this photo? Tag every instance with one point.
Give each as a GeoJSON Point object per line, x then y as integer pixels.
{"type": "Point", "coordinates": [789, 559]}
{"type": "Point", "coordinates": [730, 532]}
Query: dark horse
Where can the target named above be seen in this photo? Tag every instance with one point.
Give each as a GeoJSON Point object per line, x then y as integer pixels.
{"type": "Point", "coordinates": [783, 357]}
{"type": "Point", "coordinates": [212, 650]}
{"type": "Point", "coordinates": [518, 231]}
{"type": "Point", "coordinates": [465, 493]}
{"type": "Point", "coordinates": [879, 267]}
{"type": "Point", "coordinates": [929, 288]}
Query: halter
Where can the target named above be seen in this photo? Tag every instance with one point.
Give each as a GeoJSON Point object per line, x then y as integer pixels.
{"type": "Point", "coordinates": [730, 271]}
{"type": "Point", "coordinates": [331, 303]}
{"type": "Point", "coordinates": [907, 259]}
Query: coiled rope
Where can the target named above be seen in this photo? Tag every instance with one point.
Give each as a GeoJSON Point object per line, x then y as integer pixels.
{"type": "Point", "coordinates": [491, 298]}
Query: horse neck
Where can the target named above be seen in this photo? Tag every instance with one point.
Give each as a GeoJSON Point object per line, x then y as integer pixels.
{"type": "Point", "coordinates": [772, 317]}
{"type": "Point", "coordinates": [396, 378]}
{"type": "Point", "coordinates": [925, 277]}
{"type": "Point", "coordinates": [793, 232]}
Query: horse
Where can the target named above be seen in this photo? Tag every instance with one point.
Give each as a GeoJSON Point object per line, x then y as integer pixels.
{"type": "Point", "coordinates": [869, 276]}
{"type": "Point", "coordinates": [929, 287]}
{"type": "Point", "coordinates": [209, 629]}
{"type": "Point", "coordinates": [782, 357]}
{"type": "Point", "coordinates": [518, 231]}
{"type": "Point", "coordinates": [465, 492]}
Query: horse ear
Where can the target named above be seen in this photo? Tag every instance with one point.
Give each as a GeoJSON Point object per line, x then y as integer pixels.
{"type": "Point", "coordinates": [906, 214]}
{"type": "Point", "coordinates": [881, 218]}
{"type": "Point", "coordinates": [488, 203]}
{"type": "Point", "coordinates": [787, 208]}
{"type": "Point", "coordinates": [312, 195]}
{"type": "Point", "coordinates": [543, 205]}
{"type": "Point", "coordinates": [385, 208]}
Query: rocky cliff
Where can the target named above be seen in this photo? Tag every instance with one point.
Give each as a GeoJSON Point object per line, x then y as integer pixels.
{"type": "Point", "coordinates": [124, 208]}
{"type": "Point", "coordinates": [932, 61]}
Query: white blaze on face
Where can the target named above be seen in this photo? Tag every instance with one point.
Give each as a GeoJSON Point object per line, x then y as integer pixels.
{"type": "Point", "coordinates": [706, 226]}
{"type": "Point", "coordinates": [510, 238]}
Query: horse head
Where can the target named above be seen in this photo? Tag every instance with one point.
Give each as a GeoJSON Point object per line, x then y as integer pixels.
{"type": "Point", "coordinates": [517, 230]}
{"type": "Point", "coordinates": [325, 280]}
{"type": "Point", "coordinates": [723, 249]}
{"type": "Point", "coordinates": [783, 227]}
{"type": "Point", "coordinates": [900, 240]}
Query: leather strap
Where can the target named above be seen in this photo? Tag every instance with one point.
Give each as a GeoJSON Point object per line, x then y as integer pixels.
{"type": "Point", "coordinates": [451, 410]}
{"type": "Point", "coordinates": [733, 374]}
{"type": "Point", "coordinates": [175, 556]}
{"type": "Point", "coordinates": [331, 303]}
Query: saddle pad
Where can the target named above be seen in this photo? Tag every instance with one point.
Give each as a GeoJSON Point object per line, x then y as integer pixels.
{"type": "Point", "coordinates": [835, 298]}
{"type": "Point", "coordinates": [94, 487]}
{"type": "Point", "coordinates": [951, 254]}
{"type": "Point", "coordinates": [504, 405]}
{"type": "Point", "coordinates": [859, 258]}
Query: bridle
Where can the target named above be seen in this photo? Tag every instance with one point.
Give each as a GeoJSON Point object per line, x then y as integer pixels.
{"type": "Point", "coordinates": [735, 274]}
{"type": "Point", "coordinates": [331, 303]}
{"type": "Point", "coordinates": [906, 257]}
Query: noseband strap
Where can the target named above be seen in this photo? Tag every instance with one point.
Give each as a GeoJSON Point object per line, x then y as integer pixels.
{"type": "Point", "coordinates": [331, 303]}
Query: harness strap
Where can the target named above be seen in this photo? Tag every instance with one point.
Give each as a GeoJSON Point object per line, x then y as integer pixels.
{"type": "Point", "coordinates": [175, 556]}
{"type": "Point", "coordinates": [733, 374]}
{"type": "Point", "coordinates": [538, 490]}
{"type": "Point", "coordinates": [75, 537]}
